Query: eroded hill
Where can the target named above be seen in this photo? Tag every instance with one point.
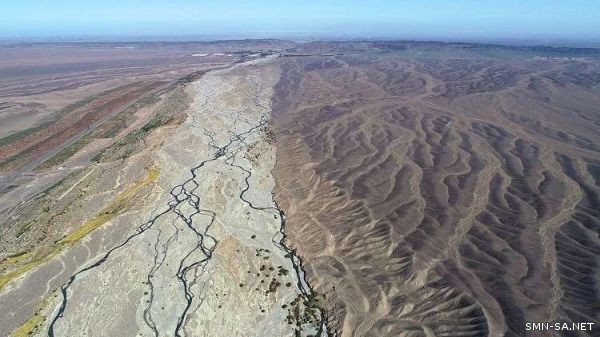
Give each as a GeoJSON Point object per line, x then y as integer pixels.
{"type": "Point", "coordinates": [443, 196]}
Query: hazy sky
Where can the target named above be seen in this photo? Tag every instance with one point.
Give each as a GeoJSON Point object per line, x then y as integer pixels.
{"type": "Point", "coordinates": [409, 18]}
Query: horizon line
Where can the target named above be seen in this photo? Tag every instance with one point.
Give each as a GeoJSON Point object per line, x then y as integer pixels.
{"type": "Point", "coordinates": [302, 37]}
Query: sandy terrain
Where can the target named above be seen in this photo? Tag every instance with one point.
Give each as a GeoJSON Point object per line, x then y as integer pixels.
{"type": "Point", "coordinates": [332, 188]}
{"type": "Point", "coordinates": [38, 80]}
{"type": "Point", "coordinates": [56, 99]}
{"type": "Point", "coordinates": [441, 196]}
{"type": "Point", "coordinates": [194, 247]}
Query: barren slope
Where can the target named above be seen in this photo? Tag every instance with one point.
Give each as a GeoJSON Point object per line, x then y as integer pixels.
{"type": "Point", "coordinates": [440, 196]}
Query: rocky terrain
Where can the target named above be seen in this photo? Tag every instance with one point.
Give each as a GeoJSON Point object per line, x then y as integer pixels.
{"type": "Point", "coordinates": [190, 241]}
{"type": "Point", "coordinates": [60, 105]}
{"type": "Point", "coordinates": [437, 195]}
{"type": "Point", "coordinates": [273, 188]}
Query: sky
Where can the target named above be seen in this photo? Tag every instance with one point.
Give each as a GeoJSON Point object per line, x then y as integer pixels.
{"type": "Point", "coordinates": [419, 19]}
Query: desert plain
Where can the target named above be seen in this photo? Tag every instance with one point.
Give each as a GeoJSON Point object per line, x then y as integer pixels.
{"type": "Point", "coordinates": [272, 188]}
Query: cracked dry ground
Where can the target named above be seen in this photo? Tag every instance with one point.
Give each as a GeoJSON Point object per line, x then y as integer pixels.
{"type": "Point", "coordinates": [191, 242]}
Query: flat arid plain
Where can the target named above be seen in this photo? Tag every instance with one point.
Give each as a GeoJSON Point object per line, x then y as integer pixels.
{"type": "Point", "coordinates": [273, 188]}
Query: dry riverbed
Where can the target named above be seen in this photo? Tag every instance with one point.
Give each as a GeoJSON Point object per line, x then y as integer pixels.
{"type": "Point", "coordinates": [180, 239]}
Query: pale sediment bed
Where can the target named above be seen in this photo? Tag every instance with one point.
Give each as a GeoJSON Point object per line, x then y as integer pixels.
{"type": "Point", "coordinates": [205, 256]}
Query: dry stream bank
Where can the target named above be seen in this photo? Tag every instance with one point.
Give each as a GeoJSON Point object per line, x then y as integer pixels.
{"type": "Point", "coordinates": [190, 241]}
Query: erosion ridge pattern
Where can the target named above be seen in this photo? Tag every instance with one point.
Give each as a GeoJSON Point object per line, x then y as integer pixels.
{"type": "Point", "coordinates": [443, 197]}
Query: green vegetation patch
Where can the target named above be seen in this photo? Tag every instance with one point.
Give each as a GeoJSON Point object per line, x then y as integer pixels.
{"type": "Point", "coordinates": [172, 108]}
{"type": "Point", "coordinates": [120, 121]}
{"type": "Point", "coordinates": [21, 134]}
{"type": "Point", "coordinates": [304, 310]}
{"type": "Point", "coordinates": [54, 117]}
{"type": "Point", "coordinates": [65, 154]}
